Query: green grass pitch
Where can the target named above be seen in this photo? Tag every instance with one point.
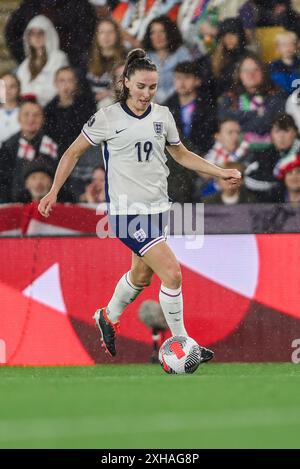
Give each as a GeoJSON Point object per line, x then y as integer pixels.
{"type": "Point", "coordinates": [139, 406]}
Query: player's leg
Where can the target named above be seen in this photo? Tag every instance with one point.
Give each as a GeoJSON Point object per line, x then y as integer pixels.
{"type": "Point", "coordinates": [161, 259]}
{"type": "Point", "coordinates": [127, 290]}
{"type": "Point", "coordinates": [163, 262]}
{"type": "Point", "coordinates": [129, 287]}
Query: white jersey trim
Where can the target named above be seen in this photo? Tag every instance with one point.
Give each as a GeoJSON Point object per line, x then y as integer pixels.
{"type": "Point", "coordinates": [88, 138]}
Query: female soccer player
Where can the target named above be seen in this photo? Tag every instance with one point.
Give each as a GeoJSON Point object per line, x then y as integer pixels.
{"type": "Point", "coordinates": [133, 133]}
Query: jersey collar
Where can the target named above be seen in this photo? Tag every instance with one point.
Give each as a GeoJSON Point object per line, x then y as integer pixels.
{"type": "Point", "coordinates": [132, 114]}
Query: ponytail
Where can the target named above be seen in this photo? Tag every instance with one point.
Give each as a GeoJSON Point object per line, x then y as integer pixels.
{"type": "Point", "coordinates": [136, 60]}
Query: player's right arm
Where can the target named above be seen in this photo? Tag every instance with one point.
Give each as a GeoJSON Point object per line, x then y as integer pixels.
{"type": "Point", "coordinates": [63, 171]}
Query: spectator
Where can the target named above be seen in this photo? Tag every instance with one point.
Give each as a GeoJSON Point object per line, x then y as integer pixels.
{"type": "Point", "coordinates": [229, 194]}
{"type": "Point", "coordinates": [254, 101]}
{"type": "Point", "coordinates": [107, 51]}
{"type": "Point", "coordinates": [221, 64]}
{"type": "Point", "coordinates": [65, 115]}
{"type": "Point", "coordinates": [22, 148]}
{"type": "Point", "coordinates": [195, 119]}
{"type": "Point", "coordinates": [194, 114]}
{"type": "Point", "coordinates": [163, 44]}
{"type": "Point", "coordinates": [9, 110]}
{"type": "Point", "coordinates": [248, 17]}
{"type": "Point", "coordinates": [74, 24]}
{"type": "Point", "coordinates": [68, 111]}
{"type": "Point", "coordinates": [260, 13]}
{"type": "Point", "coordinates": [95, 190]}
{"type": "Point", "coordinates": [229, 145]}
{"type": "Point", "coordinates": [288, 172]}
{"type": "Point", "coordinates": [134, 17]}
{"type": "Point", "coordinates": [231, 42]}
{"type": "Point", "coordinates": [286, 70]}
{"type": "Point", "coordinates": [198, 23]}
{"type": "Point", "coordinates": [38, 179]}
{"type": "Point", "coordinates": [104, 8]}
{"type": "Point", "coordinates": [260, 165]}
{"type": "Point", "coordinates": [36, 73]}
{"type": "Point", "coordinates": [278, 13]}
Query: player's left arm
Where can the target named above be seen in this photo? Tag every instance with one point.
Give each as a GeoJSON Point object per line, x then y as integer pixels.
{"type": "Point", "coordinates": [196, 163]}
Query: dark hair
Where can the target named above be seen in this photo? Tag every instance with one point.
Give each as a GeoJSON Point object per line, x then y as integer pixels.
{"type": "Point", "coordinates": [225, 120]}
{"type": "Point", "coordinates": [267, 85]}
{"type": "Point", "coordinates": [174, 38]}
{"type": "Point", "coordinates": [284, 122]}
{"type": "Point", "coordinates": [188, 68]}
{"type": "Point", "coordinates": [232, 26]}
{"type": "Point", "coordinates": [221, 58]}
{"type": "Point", "coordinates": [66, 68]}
{"type": "Point", "coordinates": [40, 165]}
{"type": "Point", "coordinates": [136, 60]}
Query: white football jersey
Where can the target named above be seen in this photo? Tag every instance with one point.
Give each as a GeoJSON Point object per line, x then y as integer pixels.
{"type": "Point", "coordinates": [134, 155]}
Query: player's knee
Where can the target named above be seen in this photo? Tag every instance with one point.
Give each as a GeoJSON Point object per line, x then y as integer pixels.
{"type": "Point", "coordinates": [141, 279]}
{"type": "Point", "coordinates": [145, 281]}
{"type": "Point", "coordinates": [174, 278]}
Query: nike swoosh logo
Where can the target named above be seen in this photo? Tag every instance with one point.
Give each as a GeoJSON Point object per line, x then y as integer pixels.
{"type": "Point", "coordinates": [176, 312]}
{"type": "Point", "coordinates": [119, 131]}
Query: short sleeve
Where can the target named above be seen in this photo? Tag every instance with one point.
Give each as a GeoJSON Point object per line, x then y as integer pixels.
{"type": "Point", "coordinates": [172, 132]}
{"type": "Point", "coordinates": [95, 130]}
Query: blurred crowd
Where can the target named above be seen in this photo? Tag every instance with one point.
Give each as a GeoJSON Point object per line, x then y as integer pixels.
{"type": "Point", "coordinates": [232, 105]}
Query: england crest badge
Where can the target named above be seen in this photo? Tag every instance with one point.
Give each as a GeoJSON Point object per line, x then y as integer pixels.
{"type": "Point", "coordinates": [158, 128]}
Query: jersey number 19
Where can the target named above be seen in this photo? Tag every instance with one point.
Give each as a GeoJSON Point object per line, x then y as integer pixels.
{"type": "Point", "coordinates": [143, 151]}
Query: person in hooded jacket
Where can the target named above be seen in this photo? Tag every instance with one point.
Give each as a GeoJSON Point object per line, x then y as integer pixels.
{"type": "Point", "coordinates": [74, 22]}
{"type": "Point", "coordinates": [43, 58]}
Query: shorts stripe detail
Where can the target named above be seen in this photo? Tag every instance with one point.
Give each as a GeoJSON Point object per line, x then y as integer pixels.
{"type": "Point", "coordinates": [150, 244]}
{"type": "Point", "coordinates": [88, 138]}
{"type": "Point", "coordinates": [168, 294]}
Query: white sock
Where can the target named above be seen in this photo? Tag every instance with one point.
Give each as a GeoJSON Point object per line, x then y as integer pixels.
{"type": "Point", "coordinates": [124, 294]}
{"type": "Point", "coordinates": [172, 305]}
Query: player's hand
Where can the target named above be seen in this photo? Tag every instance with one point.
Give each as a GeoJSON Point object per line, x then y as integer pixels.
{"type": "Point", "coordinates": [233, 176]}
{"type": "Point", "coordinates": [46, 204]}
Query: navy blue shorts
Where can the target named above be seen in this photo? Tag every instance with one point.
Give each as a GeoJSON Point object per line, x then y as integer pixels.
{"type": "Point", "coordinates": [140, 232]}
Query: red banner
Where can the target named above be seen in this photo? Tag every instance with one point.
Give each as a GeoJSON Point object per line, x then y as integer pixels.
{"type": "Point", "coordinates": [241, 296]}
{"type": "Point", "coordinates": [65, 219]}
